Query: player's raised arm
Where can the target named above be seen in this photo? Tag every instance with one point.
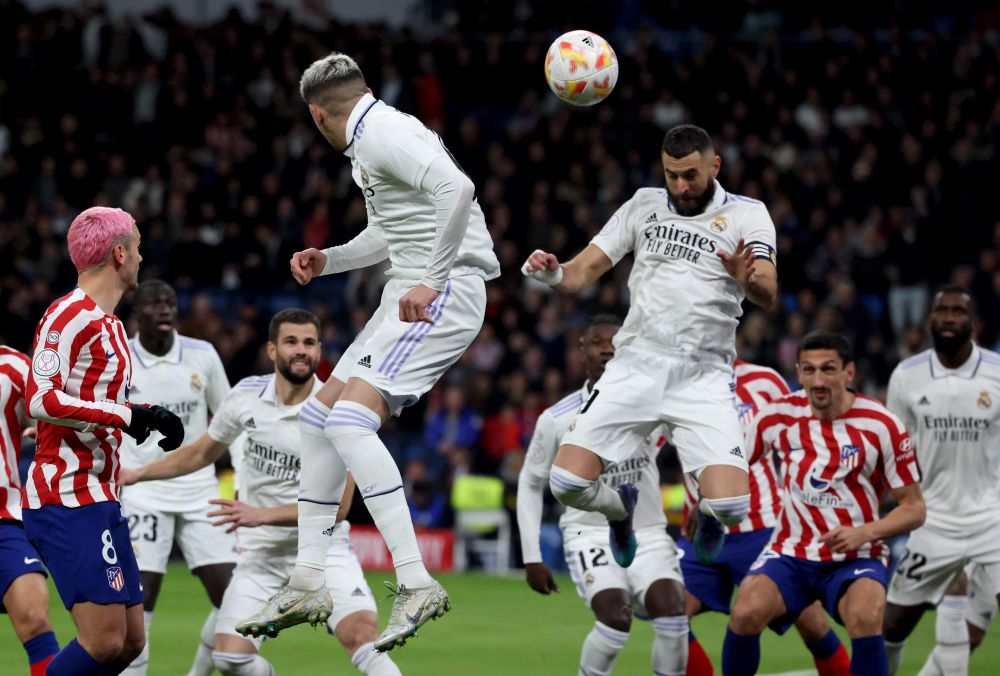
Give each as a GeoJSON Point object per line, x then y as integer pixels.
{"type": "Point", "coordinates": [573, 277]}
{"type": "Point", "coordinates": [203, 452]}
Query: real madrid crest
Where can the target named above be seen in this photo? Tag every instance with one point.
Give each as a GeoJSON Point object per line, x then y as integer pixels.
{"type": "Point", "coordinates": [572, 424]}
{"type": "Point", "coordinates": [588, 578]}
{"type": "Point", "coordinates": [196, 384]}
{"type": "Point", "coordinates": [718, 224]}
{"type": "Point", "coordinates": [365, 179]}
{"type": "Point", "coordinates": [984, 400]}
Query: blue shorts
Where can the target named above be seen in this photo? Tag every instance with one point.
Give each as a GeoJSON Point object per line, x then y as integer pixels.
{"type": "Point", "coordinates": [88, 551]}
{"type": "Point", "coordinates": [713, 584]}
{"type": "Point", "coordinates": [17, 557]}
{"type": "Point", "coordinates": [802, 582]}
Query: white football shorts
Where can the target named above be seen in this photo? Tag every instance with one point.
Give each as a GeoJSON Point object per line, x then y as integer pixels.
{"type": "Point", "coordinates": [593, 568]}
{"type": "Point", "coordinates": [261, 572]}
{"type": "Point", "coordinates": [982, 597]}
{"type": "Point", "coordinates": [404, 360]}
{"type": "Point", "coordinates": [934, 559]}
{"type": "Point", "coordinates": [642, 389]}
{"type": "Point", "coordinates": [153, 533]}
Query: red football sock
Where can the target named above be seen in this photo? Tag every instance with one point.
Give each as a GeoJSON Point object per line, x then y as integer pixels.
{"type": "Point", "coordinates": [837, 664]}
{"type": "Point", "coordinates": [38, 668]}
{"type": "Point", "coordinates": [698, 662]}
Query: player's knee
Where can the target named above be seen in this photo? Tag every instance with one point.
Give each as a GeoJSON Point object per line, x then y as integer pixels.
{"type": "Point", "coordinates": [976, 636]}
{"type": "Point", "coordinates": [730, 511]}
{"type": "Point", "coordinates": [233, 664]}
{"type": "Point", "coordinates": [132, 647]}
{"type": "Point", "coordinates": [105, 647]}
{"type": "Point", "coordinates": [31, 620]}
{"type": "Point", "coordinates": [569, 489]}
{"type": "Point", "coordinates": [864, 619]}
{"type": "Point", "coordinates": [356, 630]}
{"type": "Point", "coordinates": [748, 618]}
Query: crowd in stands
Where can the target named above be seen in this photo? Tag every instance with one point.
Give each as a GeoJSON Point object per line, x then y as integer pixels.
{"type": "Point", "coordinates": [871, 137]}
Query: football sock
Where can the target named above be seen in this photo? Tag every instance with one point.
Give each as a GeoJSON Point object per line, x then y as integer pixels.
{"type": "Point", "coordinates": [590, 496]}
{"type": "Point", "coordinates": [740, 654]}
{"type": "Point", "coordinates": [895, 651]}
{"type": "Point", "coordinates": [830, 656]}
{"type": "Point", "coordinates": [932, 667]}
{"type": "Point", "coordinates": [368, 661]}
{"type": "Point", "coordinates": [698, 662]}
{"type": "Point", "coordinates": [670, 645]}
{"type": "Point", "coordinates": [730, 511]}
{"type": "Point", "coordinates": [242, 664]}
{"type": "Point", "coordinates": [74, 660]}
{"type": "Point", "coordinates": [868, 656]}
{"type": "Point", "coordinates": [203, 664]}
{"type": "Point", "coordinates": [140, 665]}
{"type": "Point", "coordinates": [600, 650]}
{"type": "Point", "coordinates": [353, 429]}
{"type": "Point", "coordinates": [952, 635]}
{"type": "Point", "coordinates": [321, 488]}
{"type": "Point", "coordinates": [41, 649]}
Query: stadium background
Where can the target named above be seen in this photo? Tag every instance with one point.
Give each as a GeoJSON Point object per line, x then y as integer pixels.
{"type": "Point", "coordinates": [869, 132]}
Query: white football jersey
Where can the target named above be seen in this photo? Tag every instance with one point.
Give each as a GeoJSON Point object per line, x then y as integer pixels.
{"type": "Point", "coordinates": [682, 298]}
{"type": "Point", "coordinates": [639, 468]}
{"type": "Point", "coordinates": [390, 153]}
{"type": "Point", "coordinates": [190, 381]}
{"type": "Point", "coordinates": [953, 416]}
{"type": "Point", "coordinates": [269, 469]}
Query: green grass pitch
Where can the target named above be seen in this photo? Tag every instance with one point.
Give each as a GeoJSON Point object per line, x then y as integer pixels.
{"type": "Point", "coordinates": [497, 627]}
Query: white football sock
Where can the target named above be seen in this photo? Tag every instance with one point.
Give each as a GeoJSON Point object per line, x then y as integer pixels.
{"type": "Point", "coordinates": [353, 429]}
{"type": "Point", "coordinates": [951, 654]}
{"type": "Point", "coordinates": [203, 663]}
{"type": "Point", "coordinates": [590, 496]}
{"type": "Point", "coordinates": [140, 664]}
{"type": "Point", "coordinates": [895, 651]}
{"type": "Point", "coordinates": [322, 479]}
{"type": "Point", "coordinates": [932, 665]}
{"type": "Point", "coordinates": [730, 511]}
{"type": "Point", "coordinates": [670, 645]}
{"type": "Point", "coordinates": [242, 664]}
{"type": "Point", "coordinates": [600, 650]}
{"type": "Point", "coordinates": [368, 661]}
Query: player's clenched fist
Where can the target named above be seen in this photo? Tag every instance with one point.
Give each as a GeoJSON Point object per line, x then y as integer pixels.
{"type": "Point", "coordinates": [415, 305]}
{"type": "Point", "coordinates": [307, 264]}
{"type": "Point", "coordinates": [544, 267]}
{"type": "Point", "coordinates": [540, 578]}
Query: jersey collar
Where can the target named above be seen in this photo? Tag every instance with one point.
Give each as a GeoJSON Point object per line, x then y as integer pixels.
{"type": "Point", "coordinates": [270, 395]}
{"type": "Point", "coordinates": [355, 121]}
{"type": "Point", "coordinates": [718, 199]}
{"type": "Point", "coordinates": [966, 370]}
{"type": "Point", "coordinates": [147, 358]}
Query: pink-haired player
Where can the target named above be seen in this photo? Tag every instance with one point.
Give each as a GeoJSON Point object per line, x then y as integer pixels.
{"type": "Point", "coordinates": [78, 389]}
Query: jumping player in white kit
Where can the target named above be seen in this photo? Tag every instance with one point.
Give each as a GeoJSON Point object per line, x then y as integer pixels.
{"type": "Point", "coordinates": [185, 376]}
{"type": "Point", "coordinates": [699, 251]}
{"type": "Point", "coordinates": [949, 399]}
{"type": "Point", "coordinates": [653, 584]}
{"type": "Point", "coordinates": [423, 217]}
{"type": "Point", "coordinates": [265, 410]}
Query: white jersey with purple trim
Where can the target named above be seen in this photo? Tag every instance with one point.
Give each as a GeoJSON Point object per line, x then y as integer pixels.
{"type": "Point", "coordinates": [190, 381]}
{"type": "Point", "coordinates": [953, 417]}
{"type": "Point", "coordinates": [269, 471]}
{"type": "Point", "coordinates": [639, 468]}
{"type": "Point", "coordinates": [390, 154]}
{"type": "Point", "coordinates": [683, 300]}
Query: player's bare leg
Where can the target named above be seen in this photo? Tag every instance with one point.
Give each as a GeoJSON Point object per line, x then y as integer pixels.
{"type": "Point", "coordinates": [575, 482]}
{"type": "Point", "coordinates": [862, 609]}
{"type": "Point", "coordinates": [827, 651]}
{"type": "Point", "coordinates": [665, 602]}
{"type": "Point", "coordinates": [758, 602]}
{"type": "Point", "coordinates": [357, 634]}
{"type": "Point", "coordinates": [725, 501]}
{"type": "Point", "coordinates": [613, 615]}
{"type": "Point", "coordinates": [27, 604]}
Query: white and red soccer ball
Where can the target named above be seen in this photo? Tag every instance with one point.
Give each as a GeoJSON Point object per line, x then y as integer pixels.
{"type": "Point", "coordinates": [581, 68]}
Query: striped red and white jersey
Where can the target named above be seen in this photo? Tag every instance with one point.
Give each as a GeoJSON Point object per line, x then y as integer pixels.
{"type": "Point", "coordinates": [78, 388]}
{"type": "Point", "coordinates": [835, 471]}
{"type": "Point", "coordinates": [14, 368]}
{"type": "Point", "coordinates": [756, 386]}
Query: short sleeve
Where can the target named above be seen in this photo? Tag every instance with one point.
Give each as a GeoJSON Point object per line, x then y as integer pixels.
{"type": "Point", "coordinates": [542, 447]}
{"type": "Point", "coordinates": [758, 439]}
{"type": "Point", "coordinates": [617, 237]}
{"type": "Point", "coordinates": [899, 455]}
{"type": "Point", "coordinates": [218, 382]}
{"type": "Point", "coordinates": [896, 399]}
{"type": "Point", "coordinates": [757, 230]}
{"type": "Point", "coordinates": [225, 425]}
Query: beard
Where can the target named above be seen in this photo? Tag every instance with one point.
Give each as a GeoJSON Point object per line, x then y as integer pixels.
{"type": "Point", "coordinates": [700, 201]}
{"type": "Point", "coordinates": [951, 345]}
{"type": "Point", "coordinates": [285, 369]}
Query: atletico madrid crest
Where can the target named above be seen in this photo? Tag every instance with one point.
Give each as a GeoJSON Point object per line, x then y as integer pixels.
{"type": "Point", "coordinates": [115, 578]}
{"type": "Point", "coordinates": [850, 456]}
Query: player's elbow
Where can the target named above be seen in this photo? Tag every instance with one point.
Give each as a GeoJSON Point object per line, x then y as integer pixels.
{"type": "Point", "coordinates": [36, 407]}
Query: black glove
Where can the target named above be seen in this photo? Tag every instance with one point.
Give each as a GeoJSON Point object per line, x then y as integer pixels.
{"type": "Point", "coordinates": [146, 418]}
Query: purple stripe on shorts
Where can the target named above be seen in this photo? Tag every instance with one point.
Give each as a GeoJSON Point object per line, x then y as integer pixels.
{"type": "Point", "coordinates": [417, 338]}
{"type": "Point", "coordinates": [411, 333]}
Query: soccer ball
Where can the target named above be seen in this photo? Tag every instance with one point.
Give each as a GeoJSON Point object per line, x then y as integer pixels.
{"type": "Point", "coordinates": [581, 68]}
